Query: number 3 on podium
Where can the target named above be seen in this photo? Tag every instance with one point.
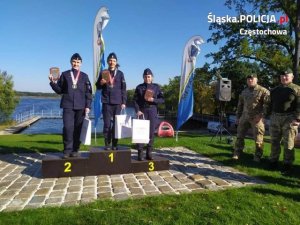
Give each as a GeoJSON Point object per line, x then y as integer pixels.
{"type": "Point", "coordinates": [151, 166]}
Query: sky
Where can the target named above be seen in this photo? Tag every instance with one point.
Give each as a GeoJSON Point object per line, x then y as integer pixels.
{"type": "Point", "coordinates": [39, 34]}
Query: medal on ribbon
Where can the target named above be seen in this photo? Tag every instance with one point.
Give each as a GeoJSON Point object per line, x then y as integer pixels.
{"type": "Point", "coordinates": [74, 81]}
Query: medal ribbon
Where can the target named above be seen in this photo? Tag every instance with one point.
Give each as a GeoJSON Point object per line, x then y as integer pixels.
{"type": "Point", "coordinates": [112, 79]}
{"type": "Point", "coordinates": [75, 80]}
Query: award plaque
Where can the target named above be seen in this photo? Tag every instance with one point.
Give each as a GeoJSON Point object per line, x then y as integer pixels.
{"type": "Point", "coordinates": [148, 94]}
{"type": "Point", "coordinates": [54, 71]}
{"type": "Point", "coordinates": [106, 75]}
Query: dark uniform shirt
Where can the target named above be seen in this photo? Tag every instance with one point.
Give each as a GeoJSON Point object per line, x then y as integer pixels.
{"type": "Point", "coordinates": [114, 93]}
{"type": "Point", "coordinates": [139, 101]}
{"type": "Point", "coordinates": [78, 98]}
{"type": "Point", "coordinates": [286, 99]}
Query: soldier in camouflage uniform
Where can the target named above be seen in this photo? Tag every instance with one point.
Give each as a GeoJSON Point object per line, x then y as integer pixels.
{"type": "Point", "coordinates": [285, 117]}
{"type": "Point", "coordinates": [250, 114]}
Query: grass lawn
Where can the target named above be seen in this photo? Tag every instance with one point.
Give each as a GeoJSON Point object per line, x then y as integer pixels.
{"type": "Point", "coordinates": [277, 202]}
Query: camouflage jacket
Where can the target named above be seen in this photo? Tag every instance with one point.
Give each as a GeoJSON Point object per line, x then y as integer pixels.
{"type": "Point", "coordinates": [252, 101]}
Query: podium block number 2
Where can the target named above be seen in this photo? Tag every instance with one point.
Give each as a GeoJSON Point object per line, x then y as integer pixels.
{"type": "Point", "coordinates": [68, 166]}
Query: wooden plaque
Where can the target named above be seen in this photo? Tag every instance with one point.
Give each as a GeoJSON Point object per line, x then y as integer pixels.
{"type": "Point", "coordinates": [55, 72]}
{"type": "Point", "coordinates": [106, 75]}
{"type": "Point", "coordinates": [148, 94]}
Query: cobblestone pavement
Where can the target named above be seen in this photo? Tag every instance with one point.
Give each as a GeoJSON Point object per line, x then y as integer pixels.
{"type": "Point", "coordinates": [22, 186]}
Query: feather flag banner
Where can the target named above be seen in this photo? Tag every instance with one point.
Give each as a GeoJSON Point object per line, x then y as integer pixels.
{"type": "Point", "coordinates": [186, 97]}
{"type": "Point", "coordinates": [100, 23]}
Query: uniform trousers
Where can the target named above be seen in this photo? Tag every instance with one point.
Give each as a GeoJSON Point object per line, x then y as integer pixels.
{"type": "Point", "coordinates": [109, 111]}
{"type": "Point", "coordinates": [72, 120]}
{"type": "Point", "coordinates": [258, 130]}
{"type": "Point", "coordinates": [150, 114]}
{"type": "Point", "coordinates": [281, 130]}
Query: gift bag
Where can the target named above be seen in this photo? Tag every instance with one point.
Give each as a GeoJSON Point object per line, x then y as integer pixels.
{"type": "Point", "coordinates": [123, 126]}
{"type": "Point", "coordinates": [140, 131]}
{"type": "Point", "coordinates": [86, 131]}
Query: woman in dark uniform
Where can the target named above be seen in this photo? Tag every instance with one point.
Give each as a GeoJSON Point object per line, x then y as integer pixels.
{"type": "Point", "coordinates": [113, 86]}
{"type": "Point", "coordinates": [75, 88]}
{"type": "Point", "coordinates": [146, 98]}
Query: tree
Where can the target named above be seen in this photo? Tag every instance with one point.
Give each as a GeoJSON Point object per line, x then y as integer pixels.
{"type": "Point", "coordinates": [273, 52]}
{"type": "Point", "coordinates": [8, 99]}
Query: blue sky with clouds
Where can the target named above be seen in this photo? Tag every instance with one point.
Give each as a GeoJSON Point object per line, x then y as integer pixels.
{"type": "Point", "coordinates": [38, 34]}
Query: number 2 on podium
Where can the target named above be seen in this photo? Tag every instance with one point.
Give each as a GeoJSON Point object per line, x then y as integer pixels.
{"type": "Point", "coordinates": [68, 166]}
{"type": "Point", "coordinates": [111, 156]}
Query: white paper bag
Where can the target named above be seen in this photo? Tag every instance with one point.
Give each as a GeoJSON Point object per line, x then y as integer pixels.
{"type": "Point", "coordinates": [86, 131]}
{"type": "Point", "coordinates": [123, 126]}
{"type": "Point", "coordinates": [140, 131]}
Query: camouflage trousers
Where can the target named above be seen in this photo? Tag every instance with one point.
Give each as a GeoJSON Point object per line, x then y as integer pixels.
{"type": "Point", "coordinates": [258, 130]}
{"type": "Point", "coordinates": [281, 130]}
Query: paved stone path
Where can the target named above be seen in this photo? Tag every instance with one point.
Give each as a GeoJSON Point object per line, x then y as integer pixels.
{"type": "Point", "coordinates": [22, 186]}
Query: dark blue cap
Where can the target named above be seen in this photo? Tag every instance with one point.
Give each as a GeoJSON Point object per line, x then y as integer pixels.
{"type": "Point", "coordinates": [112, 56]}
{"type": "Point", "coordinates": [147, 72]}
{"type": "Point", "coordinates": [76, 56]}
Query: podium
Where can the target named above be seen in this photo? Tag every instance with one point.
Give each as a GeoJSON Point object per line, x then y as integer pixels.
{"type": "Point", "coordinates": [99, 161]}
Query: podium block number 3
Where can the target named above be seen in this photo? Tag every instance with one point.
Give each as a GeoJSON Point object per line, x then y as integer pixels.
{"type": "Point", "coordinates": [151, 166]}
{"type": "Point", "coordinates": [68, 166]}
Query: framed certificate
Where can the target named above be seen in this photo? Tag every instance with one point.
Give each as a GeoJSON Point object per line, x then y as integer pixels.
{"type": "Point", "coordinates": [54, 71]}
{"type": "Point", "coordinates": [106, 75]}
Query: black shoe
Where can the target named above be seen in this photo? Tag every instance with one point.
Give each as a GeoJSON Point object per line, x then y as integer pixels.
{"type": "Point", "coordinates": [287, 169]}
{"type": "Point", "coordinates": [273, 165]}
{"type": "Point", "coordinates": [66, 156]}
{"type": "Point", "coordinates": [114, 148]}
{"type": "Point", "coordinates": [107, 147]}
{"type": "Point", "coordinates": [75, 154]}
{"type": "Point", "coordinates": [140, 155]}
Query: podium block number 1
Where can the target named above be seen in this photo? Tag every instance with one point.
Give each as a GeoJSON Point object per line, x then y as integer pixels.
{"type": "Point", "coordinates": [111, 156]}
{"type": "Point", "coordinates": [68, 166]}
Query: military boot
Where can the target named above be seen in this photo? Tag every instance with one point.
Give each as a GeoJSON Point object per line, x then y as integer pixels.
{"type": "Point", "coordinates": [258, 152]}
{"type": "Point", "coordinates": [149, 153]}
{"type": "Point", "coordinates": [107, 144]}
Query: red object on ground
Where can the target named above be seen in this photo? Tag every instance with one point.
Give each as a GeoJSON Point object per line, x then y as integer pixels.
{"type": "Point", "coordinates": [165, 130]}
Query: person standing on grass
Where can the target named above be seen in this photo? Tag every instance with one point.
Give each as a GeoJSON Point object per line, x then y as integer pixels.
{"type": "Point", "coordinates": [250, 115]}
{"type": "Point", "coordinates": [75, 88]}
{"type": "Point", "coordinates": [284, 107]}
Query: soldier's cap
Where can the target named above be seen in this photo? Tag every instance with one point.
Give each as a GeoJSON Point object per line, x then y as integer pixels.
{"type": "Point", "coordinates": [287, 71]}
{"type": "Point", "coordinates": [252, 75]}
{"type": "Point", "coordinates": [112, 56]}
{"type": "Point", "coordinates": [75, 56]}
{"type": "Point", "coordinates": [147, 72]}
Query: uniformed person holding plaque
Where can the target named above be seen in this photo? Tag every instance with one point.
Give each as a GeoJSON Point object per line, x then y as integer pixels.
{"type": "Point", "coordinates": [75, 88]}
{"type": "Point", "coordinates": [284, 107]}
{"type": "Point", "coordinates": [146, 98]}
{"type": "Point", "coordinates": [250, 115]}
{"type": "Point", "coordinates": [113, 86]}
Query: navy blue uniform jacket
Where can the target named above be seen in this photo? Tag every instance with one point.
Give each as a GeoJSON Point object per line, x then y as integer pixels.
{"type": "Point", "coordinates": [115, 94]}
{"type": "Point", "coordinates": [78, 98]}
{"type": "Point", "coordinates": [139, 100]}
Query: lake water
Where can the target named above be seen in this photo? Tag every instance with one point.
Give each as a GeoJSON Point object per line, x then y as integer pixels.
{"type": "Point", "coordinates": [49, 126]}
